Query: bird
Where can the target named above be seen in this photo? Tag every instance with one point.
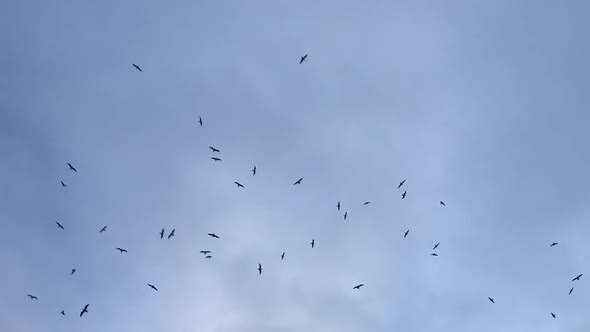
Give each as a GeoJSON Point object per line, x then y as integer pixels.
{"type": "Point", "coordinates": [239, 184]}
{"type": "Point", "coordinates": [553, 244]}
{"type": "Point", "coordinates": [338, 205]}
{"type": "Point", "coordinates": [205, 252]}
{"type": "Point", "coordinates": [153, 287]}
{"type": "Point", "coordinates": [312, 243]}
{"type": "Point", "coordinates": [254, 170]}
{"type": "Point", "coordinates": [358, 286]}
{"type": "Point", "coordinates": [435, 246]}
{"type": "Point", "coordinates": [283, 256]}
{"type": "Point", "coordinates": [72, 168]}
{"type": "Point", "coordinates": [434, 254]}
{"type": "Point", "coordinates": [404, 195]}
{"type": "Point", "coordinates": [571, 290]}
{"type": "Point", "coordinates": [491, 300]}
{"type": "Point", "coordinates": [103, 229]}
{"type": "Point", "coordinates": [406, 233]}
{"type": "Point", "coordinates": [63, 313]}
{"type": "Point", "coordinates": [401, 184]}
{"type": "Point", "coordinates": [33, 297]}
{"type": "Point", "coordinates": [73, 271]}
{"type": "Point", "coordinates": [366, 203]}
{"type": "Point", "coordinates": [214, 149]}
{"type": "Point", "coordinates": [121, 250]}
{"type": "Point", "coordinates": [200, 121]}
{"type": "Point", "coordinates": [136, 67]}
{"type": "Point", "coordinates": [553, 315]}
{"type": "Point", "coordinates": [216, 159]}
{"type": "Point", "coordinates": [171, 233]}
{"type": "Point", "coordinates": [59, 225]}
{"type": "Point", "coordinates": [298, 181]}
{"type": "Point", "coordinates": [213, 235]}
{"type": "Point", "coordinates": [577, 278]}
{"type": "Point", "coordinates": [84, 310]}
{"type": "Point", "coordinates": [345, 215]}
{"type": "Point", "coordinates": [63, 184]}
{"type": "Point", "coordinates": [162, 234]}
{"type": "Point", "coordinates": [259, 269]}
{"type": "Point", "coordinates": [303, 59]}
{"type": "Point", "coordinates": [442, 203]}
{"type": "Point", "coordinates": [208, 256]}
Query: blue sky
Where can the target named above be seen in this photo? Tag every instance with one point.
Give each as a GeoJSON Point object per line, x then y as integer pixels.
{"type": "Point", "coordinates": [481, 104]}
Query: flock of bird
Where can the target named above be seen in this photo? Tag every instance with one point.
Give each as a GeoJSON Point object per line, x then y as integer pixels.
{"type": "Point", "coordinates": [207, 253]}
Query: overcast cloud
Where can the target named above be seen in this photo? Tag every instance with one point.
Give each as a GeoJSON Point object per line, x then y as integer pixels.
{"type": "Point", "coordinates": [481, 104]}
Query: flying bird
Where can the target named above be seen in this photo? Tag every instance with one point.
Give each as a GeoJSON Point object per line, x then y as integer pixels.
{"type": "Point", "coordinates": [205, 252]}
{"type": "Point", "coordinates": [491, 300]}
{"type": "Point", "coordinates": [345, 215]}
{"type": "Point", "coordinates": [303, 59]}
{"type": "Point", "coordinates": [435, 246]}
{"type": "Point", "coordinates": [358, 286]}
{"type": "Point", "coordinates": [216, 159]}
{"type": "Point", "coordinates": [171, 233]}
{"type": "Point", "coordinates": [72, 168]}
{"type": "Point", "coordinates": [553, 315]}
{"type": "Point", "coordinates": [200, 121]}
{"type": "Point", "coordinates": [577, 278]}
{"type": "Point", "coordinates": [33, 297]}
{"type": "Point", "coordinates": [208, 256]}
{"type": "Point", "coordinates": [401, 184]}
{"type": "Point", "coordinates": [259, 269]}
{"type": "Point", "coordinates": [366, 203]}
{"type": "Point", "coordinates": [213, 235]}
{"type": "Point", "coordinates": [442, 203]}
{"type": "Point", "coordinates": [298, 181]}
{"type": "Point", "coordinates": [136, 67]}
{"type": "Point", "coordinates": [434, 254]}
{"type": "Point", "coordinates": [84, 310]}
{"type": "Point", "coordinates": [571, 290]}
{"type": "Point", "coordinates": [312, 243]}
{"type": "Point", "coordinates": [162, 234]}
{"type": "Point", "coordinates": [59, 225]}
{"type": "Point", "coordinates": [254, 171]}
{"type": "Point", "coordinates": [73, 271]}
{"type": "Point", "coordinates": [553, 244]}
{"type": "Point", "coordinates": [63, 313]}
{"type": "Point", "coordinates": [239, 184]}
{"type": "Point", "coordinates": [103, 229]}
{"type": "Point", "coordinates": [404, 195]}
{"type": "Point", "coordinates": [153, 287]}
{"type": "Point", "coordinates": [214, 149]}
{"type": "Point", "coordinates": [63, 184]}
{"type": "Point", "coordinates": [121, 250]}
{"type": "Point", "coordinates": [406, 233]}
{"type": "Point", "coordinates": [283, 256]}
{"type": "Point", "coordinates": [338, 205]}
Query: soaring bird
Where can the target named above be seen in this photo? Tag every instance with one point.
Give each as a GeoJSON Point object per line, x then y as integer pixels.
{"type": "Point", "coordinates": [406, 233]}
{"type": "Point", "coordinates": [63, 184]}
{"type": "Point", "coordinates": [491, 300]}
{"type": "Point", "coordinates": [401, 184]}
{"type": "Point", "coordinates": [312, 243]}
{"type": "Point", "coordinates": [213, 235]}
{"type": "Point", "coordinates": [434, 254]}
{"type": "Point", "coordinates": [171, 233]}
{"type": "Point", "coordinates": [205, 252]}
{"type": "Point", "coordinates": [577, 278]}
{"type": "Point", "coordinates": [208, 256]}
{"type": "Point", "coordinates": [73, 271]}
{"type": "Point", "coordinates": [404, 195]}
{"type": "Point", "coordinates": [214, 149]}
{"type": "Point", "coordinates": [298, 181]}
{"type": "Point", "coordinates": [358, 286]}
{"type": "Point", "coordinates": [254, 170]}
{"type": "Point", "coordinates": [136, 67]}
{"type": "Point", "coordinates": [442, 203]}
{"type": "Point", "coordinates": [345, 215]}
{"type": "Point", "coordinates": [303, 59]}
{"type": "Point", "coordinates": [84, 310]}
{"type": "Point", "coordinates": [553, 244]}
{"type": "Point", "coordinates": [59, 225]}
{"type": "Point", "coordinates": [216, 159]}
{"type": "Point", "coordinates": [259, 269]}
{"type": "Point", "coordinates": [553, 315]}
{"type": "Point", "coordinates": [200, 121]}
{"type": "Point", "coordinates": [162, 234]}
{"type": "Point", "coordinates": [121, 250]}
{"type": "Point", "coordinates": [153, 287]}
{"type": "Point", "coordinates": [283, 256]}
{"type": "Point", "coordinates": [239, 184]}
{"type": "Point", "coordinates": [366, 203]}
{"type": "Point", "coordinates": [571, 290]}
{"type": "Point", "coordinates": [63, 313]}
{"type": "Point", "coordinates": [435, 246]}
{"type": "Point", "coordinates": [72, 168]}
{"type": "Point", "coordinates": [103, 229]}
{"type": "Point", "coordinates": [33, 297]}
{"type": "Point", "coordinates": [338, 205]}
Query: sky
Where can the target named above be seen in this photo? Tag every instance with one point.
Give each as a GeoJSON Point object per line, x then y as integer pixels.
{"type": "Point", "coordinates": [480, 104]}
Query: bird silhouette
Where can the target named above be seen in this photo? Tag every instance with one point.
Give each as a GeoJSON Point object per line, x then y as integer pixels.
{"type": "Point", "coordinates": [338, 205]}
{"type": "Point", "coordinates": [553, 244]}
{"type": "Point", "coordinates": [103, 229]}
{"type": "Point", "coordinates": [345, 215]}
{"type": "Point", "coordinates": [404, 195]}
{"type": "Point", "coordinates": [401, 184]}
{"type": "Point", "coordinates": [434, 254]}
{"type": "Point", "coordinates": [406, 233]}
{"type": "Point", "coordinates": [239, 184]}
{"type": "Point", "coordinates": [254, 171]}
{"type": "Point", "coordinates": [72, 168]}
{"type": "Point", "coordinates": [553, 315]}
{"type": "Point", "coordinates": [63, 184]}
{"type": "Point", "coordinates": [213, 235]}
{"type": "Point", "coordinates": [33, 297]}
{"type": "Point", "coordinates": [208, 256]}
{"type": "Point", "coordinates": [63, 313]}
{"type": "Point", "coordinates": [442, 203]}
{"type": "Point", "coordinates": [259, 269]}
{"type": "Point", "coordinates": [577, 278]}
{"type": "Point", "coordinates": [214, 149]}
{"type": "Point", "coordinates": [171, 233]}
{"type": "Point", "coordinates": [366, 203]}
{"type": "Point", "coordinates": [136, 67]}
{"type": "Point", "coordinates": [73, 271]}
{"type": "Point", "coordinates": [205, 252]}
{"type": "Point", "coordinates": [358, 286]}
{"type": "Point", "coordinates": [312, 243]}
{"type": "Point", "coordinates": [153, 287]}
{"type": "Point", "coordinates": [216, 159]}
{"type": "Point", "coordinates": [303, 59]}
{"type": "Point", "coordinates": [84, 310]}
{"type": "Point", "coordinates": [200, 121]}
{"type": "Point", "coordinates": [121, 250]}
{"type": "Point", "coordinates": [283, 256]}
{"type": "Point", "coordinates": [491, 300]}
{"type": "Point", "coordinates": [435, 246]}
{"type": "Point", "coordinates": [571, 290]}
{"type": "Point", "coordinates": [298, 181]}
{"type": "Point", "coordinates": [59, 225]}
{"type": "Point", "coordinates": [162, 234]}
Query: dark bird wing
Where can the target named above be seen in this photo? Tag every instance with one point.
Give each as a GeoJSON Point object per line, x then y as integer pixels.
{"type": "Point", "coordinates": [63, 184]}
{"type": "Point", "coordinates": [358, 286]}
{"type": "Point", "coordinates": [200, 121]}
{"type": "Point", "coordinates": [401, 184]}
{"type": "Point", "coordinates": [72, 168]}
{"type": "Point", "coordinates": [366, 203]}
{"type": "Point", "coordinates": [436, 246]}
{"type": "Point", "coordinates": [442, 203]}
{"type": "Point", "coordinates": [303, 59]}
{"type": "Point", "coordinates": [213, 149]}
{"type": "Point", "coordinates": [491, 300]}
{"type": "Point", "coordinates": [103, 229]}
{"type": "Point", "coordinates": [338, 205]}
{"type": "Point", "coordinates": [406, 233]}
{"type": "Point", "coordinates": [282, 256]}
{"type": "Point", "coordinates": [162, 234]}
{"type": "Point", "coordinates": [298, 181]}
{"type": "Point", "coordinates": [553, 315]}
{"type": "Point", "coordinates": [171, 233]}
{"type": "Point", "coordinates": [571, 290]}
{"type": "Point", "coordinates": [59, 225]}
{"type": "Point", "coordinates": [136, 67]}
